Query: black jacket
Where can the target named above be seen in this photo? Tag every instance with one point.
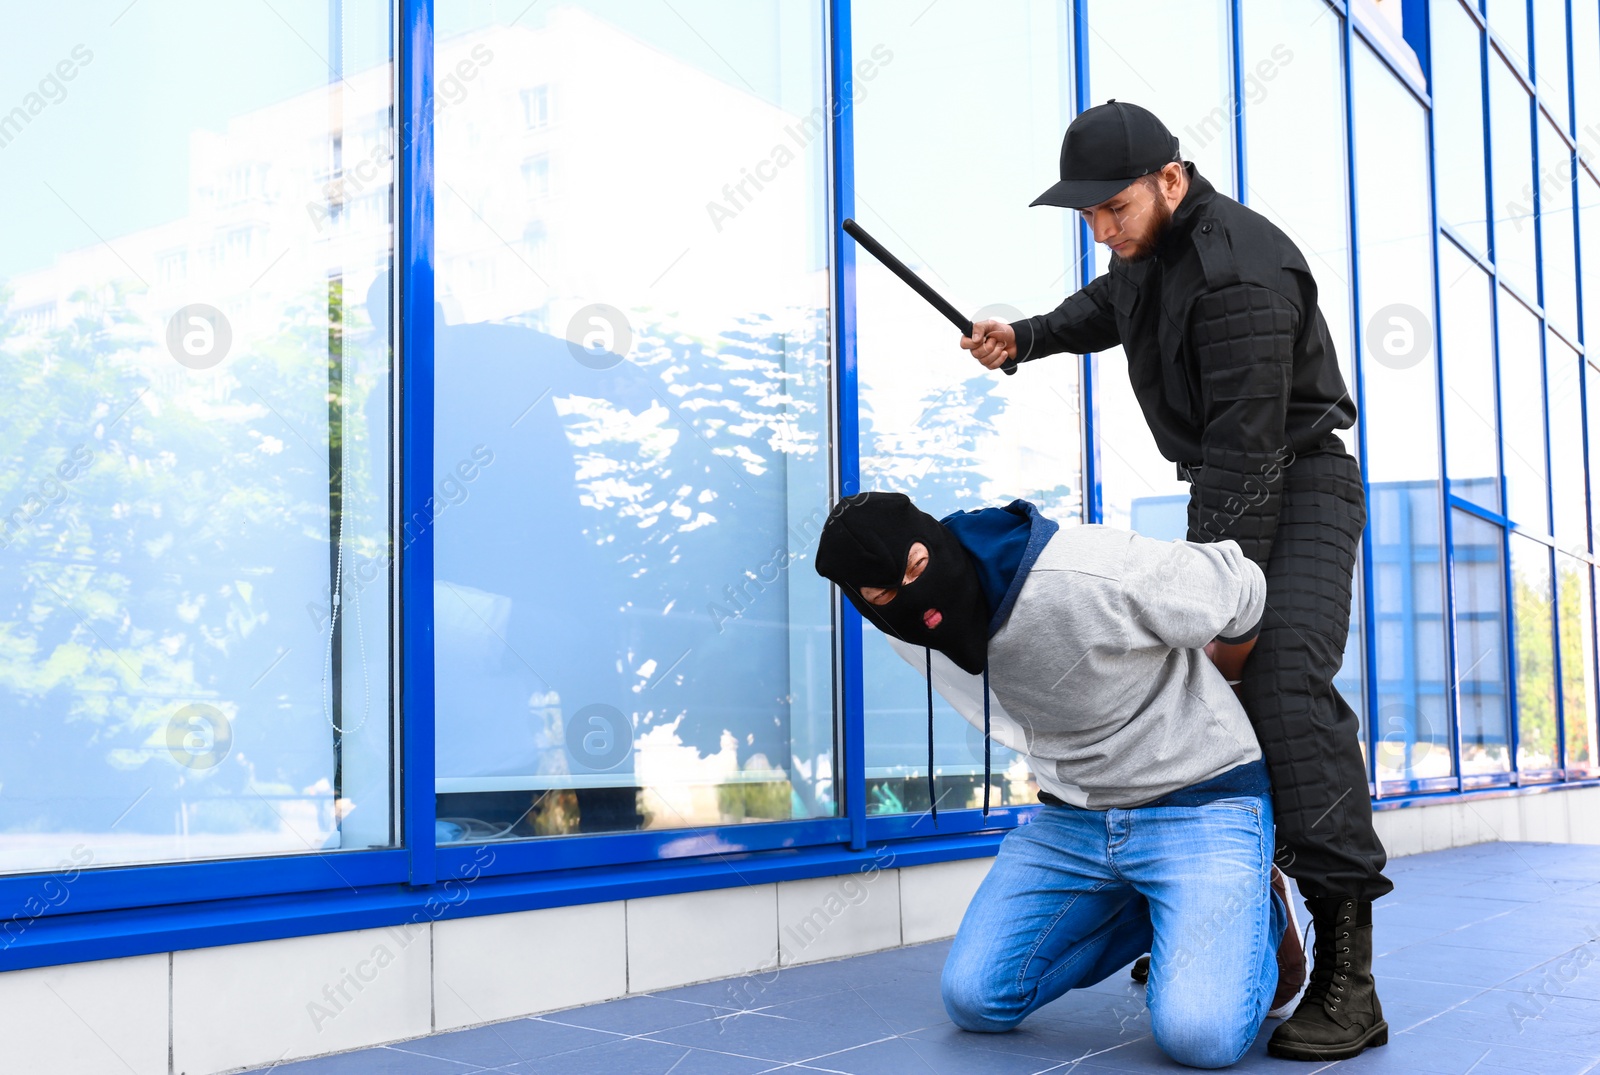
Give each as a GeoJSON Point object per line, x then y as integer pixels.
{"type": "Point", "coordinates": [1228, 354]}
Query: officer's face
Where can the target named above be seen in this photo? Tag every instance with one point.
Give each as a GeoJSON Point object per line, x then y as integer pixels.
{"type": "Point", "coordinates": [1131, 222]}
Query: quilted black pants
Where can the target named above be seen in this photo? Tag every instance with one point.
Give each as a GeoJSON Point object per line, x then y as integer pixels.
{"type": "Point", "coordinates": [1309, 734]}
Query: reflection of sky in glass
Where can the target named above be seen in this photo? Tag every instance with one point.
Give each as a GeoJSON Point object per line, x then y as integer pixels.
{"type": "Point", "coordinates": [1586, 67]}
{"type": "Point", "coordinates": [1396, 248]}
{"type": "Point", "coordinates": [1511, 170]}
{"type": "Point", "coordinates": [1509, 20]}
{"type": "Point", "coordinates": [1522, 416]}
{"type": "Point", "coordinates": [1172, 57]}
{"type": "Point", "coordinates": [1556, 230]}
{"type": "Point", "coordinates": [93, 122]}
{"type": "Point", "coordinates": [1591, 379]}
{"type": "Point", "coordinates": [1589, 236]}
{"type": "Point", "coordinates": [1550, 56]}
{"type": "Point", "coordinates": [1480, 644]}
{"type": "Point", "coordinates": [1566, 444]}
{"type": "Point", "coordinates": [1472, 448]}
{"type": "Point", "coordinates": [1457, 91]}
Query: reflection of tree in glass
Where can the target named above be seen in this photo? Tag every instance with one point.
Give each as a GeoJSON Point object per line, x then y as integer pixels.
{"type": "Point", "coordinates": [152, 583]}
{"type": "Point", "coordinates": [1536, 703]}
{"type": "Point", "coordinates": [1571, 581]}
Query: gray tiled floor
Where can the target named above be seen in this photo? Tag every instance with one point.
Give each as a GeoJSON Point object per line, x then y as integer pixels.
{"type": "Point", "coordinates": [1489, 963]}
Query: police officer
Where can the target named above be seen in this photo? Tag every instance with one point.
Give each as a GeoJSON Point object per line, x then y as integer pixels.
{"type": "Point", "coordinates": [1236, 374]}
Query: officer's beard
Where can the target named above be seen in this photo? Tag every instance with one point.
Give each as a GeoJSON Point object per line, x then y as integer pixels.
{"type": "Point", "coordinates": [1159, 216]}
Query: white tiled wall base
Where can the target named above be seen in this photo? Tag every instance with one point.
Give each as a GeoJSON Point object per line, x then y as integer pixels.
{"type": "Point", "coordinates": [1558, 816]}
{"type": "Point", "coordinates": [248, 1005]}
{"type": "Point", "coordinates": [87, 1017]}
{"type": "Point", "coordinates": [280, 1000]}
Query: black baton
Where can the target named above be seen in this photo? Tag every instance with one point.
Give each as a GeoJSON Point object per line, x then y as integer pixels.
{"type": "Point", "coordinates": [916, 283]}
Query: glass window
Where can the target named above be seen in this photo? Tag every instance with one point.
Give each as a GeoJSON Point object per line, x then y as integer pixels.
{"type": "Point", "coordinates": [1567, 487]}
{"type": "Point", "coordinates": [1469, 405]}
{"type": "Point", "coordinates": [1509, 21]}
{"type": "Point", "coordinates": [1522, 417]}
{"type": "Point", "coordinates": [1457, 57]}
{"type": "Point", "coordinates": [1575, 594]}
{"type": "Point", "coordinates": [1511, 143]}
{"type": "Point", "coordinates": [1480, 622]}
{"type": "Point", "coordinates": [1592, 394]}
{"type": "Point", "coordinates": [195, 414]}
{"type": "Point", "coordinates": [934, 424]}
{"type": "Point", "coordinates": [1589, 235]}
{"type": "Point", "coordinates": [1550, 57]}
{"type": "Point", "coordinates": [1532, 601]}
{"type": "Point", "coordinates": [1556, 227]}
{"type": "Point", "coordinates": [1182, 74]}
{"type": "Point", "coordinates": [1395, 245]}
{"type": "Point", "coordinates": [1295, 144]}
{"type": "Point", "coordinates": [1586, 72]}
{"type": "Point", "coordinates": [631, 419]}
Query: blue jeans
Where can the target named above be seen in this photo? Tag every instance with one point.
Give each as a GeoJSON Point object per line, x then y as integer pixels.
{"type": "Point", "coordinates": [1077, 894]}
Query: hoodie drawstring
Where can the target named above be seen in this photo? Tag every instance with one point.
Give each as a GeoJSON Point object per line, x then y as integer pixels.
{"type": "Point", "coordinates": [933, 802]}
{"type": "Point", "coordinates": [986, 754]}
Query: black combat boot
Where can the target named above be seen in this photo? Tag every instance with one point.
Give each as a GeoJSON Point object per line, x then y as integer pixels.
{"type": "Point", "coordinates": [1339, 1015]}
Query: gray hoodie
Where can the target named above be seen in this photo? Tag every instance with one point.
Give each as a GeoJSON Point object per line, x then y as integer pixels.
{"type": "Point", "coordinates": [1098, 675]}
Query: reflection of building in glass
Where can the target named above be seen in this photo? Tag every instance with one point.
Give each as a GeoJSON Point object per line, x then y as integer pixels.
{"type": "Point", "coordinates": [280, 199]}
{"type": "Point", "coordinates": [561, 184]}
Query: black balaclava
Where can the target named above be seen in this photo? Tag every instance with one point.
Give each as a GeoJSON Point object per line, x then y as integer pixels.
{"type": "Point", "coordinates": [865, 542]}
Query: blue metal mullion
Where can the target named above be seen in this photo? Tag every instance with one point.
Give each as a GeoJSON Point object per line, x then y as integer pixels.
{"type": "Point", "coordinates": [1094, 496]}
{"type": "Point", "coordinates": [1236, 45]}
{"type": "Point", "coordinates": [1358, 375]}
{"type": "Point", "coordinates": [1406, 560]}
{"type": "Point", "coordinates": [1479, 510]}
{"type": "Point", "coordinates": [851, 691]}
{"type": "Point", "coordinates": [1452, 700]}
{"type": "Point", "coordinates": [414, 276]}
{"type": "Point", "coordinates": [1513, 733]}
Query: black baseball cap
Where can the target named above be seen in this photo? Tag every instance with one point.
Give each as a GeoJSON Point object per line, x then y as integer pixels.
{"type": "Point", "coordinates": [1106, 148]}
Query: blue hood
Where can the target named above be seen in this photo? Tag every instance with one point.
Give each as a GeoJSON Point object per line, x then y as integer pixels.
{"type": "Point", "coordinates": [1004, 543]}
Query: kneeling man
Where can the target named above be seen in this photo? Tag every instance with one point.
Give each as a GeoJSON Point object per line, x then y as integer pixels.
{"type": "Point", "coordinates": [1085, 649]}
